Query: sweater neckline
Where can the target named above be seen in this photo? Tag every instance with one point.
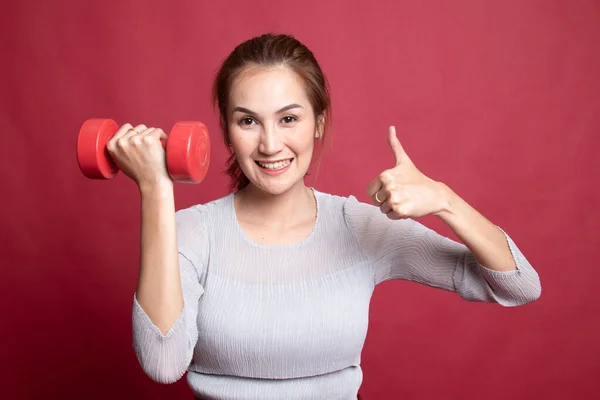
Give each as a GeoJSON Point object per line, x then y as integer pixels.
{"type": "Point", "coordinates": [308, 239]}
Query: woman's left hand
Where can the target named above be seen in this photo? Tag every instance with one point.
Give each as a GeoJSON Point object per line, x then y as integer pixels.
{"type": "Point", "coordinates": [403, 191]}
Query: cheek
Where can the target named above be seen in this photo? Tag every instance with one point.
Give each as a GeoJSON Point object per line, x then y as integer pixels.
{"type": "Point", "coordinates": [304, 141]}
{"type": "Point", "coordinates": [305, 147]}
{"type": "Point", "coordinates": [240, 144]}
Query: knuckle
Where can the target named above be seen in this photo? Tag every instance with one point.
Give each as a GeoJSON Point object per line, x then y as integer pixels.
{"type": "Point", "coordinates": [403, 211]}
{"type": "Point", "coordinates": [387, 177]}
{"type": "Point", "coordinates": [122, 142]}
{"type": "Point", "coordinates": [392, 189]}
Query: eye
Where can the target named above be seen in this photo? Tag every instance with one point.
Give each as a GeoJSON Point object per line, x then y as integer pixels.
{"type": "Point", "coordinates": [247, 121]}
{"type": "Point", "coordinates": [289, 119]}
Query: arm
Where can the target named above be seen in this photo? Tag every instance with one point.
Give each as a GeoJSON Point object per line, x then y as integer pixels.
{"type": "Point", "coordinates": [173, 246]}
{"type": "Point", "coordinates": [166, 300]}
{"type": "Point", "coordinates": [407, 250]}
{"type": "Point", "coordinates": [512, 280]}
{"type": "Point", "coordinates": [484, 239]}
{"type": "Point", "coordinates": [487, 267]}
{"type": "Point", "coordinates": [159, 284]}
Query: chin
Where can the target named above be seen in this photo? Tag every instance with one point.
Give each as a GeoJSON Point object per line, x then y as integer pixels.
{"type": "Point", "coordinates": [275, 188]}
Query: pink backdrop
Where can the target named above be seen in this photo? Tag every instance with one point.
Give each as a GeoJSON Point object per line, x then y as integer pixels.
{"type": "Point", "coordinates": [500, 100]}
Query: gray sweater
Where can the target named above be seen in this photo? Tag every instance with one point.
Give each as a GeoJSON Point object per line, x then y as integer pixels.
{"type": "Point", "coordinates": [289, 322]}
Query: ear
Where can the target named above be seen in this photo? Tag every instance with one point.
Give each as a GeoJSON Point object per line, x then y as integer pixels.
{"type": "Point", "coordinates": [320, 131]}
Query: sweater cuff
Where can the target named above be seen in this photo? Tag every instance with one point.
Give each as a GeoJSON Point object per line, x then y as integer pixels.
{"type": "Point", "coordinates": [164, 358]}
{"type": "Point", "coordinates": [516, 287]}
{"type": "Point", "coordinates": [143, 324]}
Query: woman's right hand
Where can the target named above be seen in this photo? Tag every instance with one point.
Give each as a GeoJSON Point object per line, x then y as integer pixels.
{"type": "Point", "coordinates": [139, 154]}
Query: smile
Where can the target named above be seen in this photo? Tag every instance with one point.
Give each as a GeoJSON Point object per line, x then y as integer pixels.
{"type": "Point", "coordinates": [275, 165]}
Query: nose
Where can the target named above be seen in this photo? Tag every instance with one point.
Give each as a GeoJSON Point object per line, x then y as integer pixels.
{"type": "Point", "coordinates": [270, 141]}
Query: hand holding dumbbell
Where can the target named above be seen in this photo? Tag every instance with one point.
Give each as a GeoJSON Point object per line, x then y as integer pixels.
{"type": "Point", "coordinates": [103, 148]}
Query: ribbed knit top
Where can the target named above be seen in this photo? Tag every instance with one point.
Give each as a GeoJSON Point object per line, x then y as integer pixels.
{"type": "Point", "coordinates": [289, 321]}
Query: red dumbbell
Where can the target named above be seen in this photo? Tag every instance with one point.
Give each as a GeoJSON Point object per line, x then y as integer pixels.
{"type": "Point", "coordinates": [187, 150]}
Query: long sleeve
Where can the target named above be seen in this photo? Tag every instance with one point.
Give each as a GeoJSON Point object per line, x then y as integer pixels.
{"type": "Point", "coordinates": [165, 358]}
{"type": "Point", "coordinates": [407, 250]}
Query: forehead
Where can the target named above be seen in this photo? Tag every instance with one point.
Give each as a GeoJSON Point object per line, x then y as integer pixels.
{"type": "Point", "coordinates": [266, 90]}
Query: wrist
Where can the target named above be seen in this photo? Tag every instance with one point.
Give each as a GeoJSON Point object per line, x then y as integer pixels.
{"type": "Point", "coordinates": [156, 189]}
{"type": "Point", "coordinates": [447, 201]}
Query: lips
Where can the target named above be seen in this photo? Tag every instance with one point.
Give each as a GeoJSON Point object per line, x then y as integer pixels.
{"type": "Point", "coordinates": [275, 165]}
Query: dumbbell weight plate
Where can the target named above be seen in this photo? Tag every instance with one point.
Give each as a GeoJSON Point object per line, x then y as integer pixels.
{"type": "Point", "coordinates": [92, 156]}
{"type": "Point", "coordinates": [188, 152]}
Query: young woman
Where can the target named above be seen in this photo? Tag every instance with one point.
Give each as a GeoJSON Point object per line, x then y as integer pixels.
{"type": "Point", "coordinates": [264, 293]}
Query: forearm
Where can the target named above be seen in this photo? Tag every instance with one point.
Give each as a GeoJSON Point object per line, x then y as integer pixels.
{"type": "Point", "coordinates": [487, 243]}
{"type": "Point", "coordinates": [159, 290]}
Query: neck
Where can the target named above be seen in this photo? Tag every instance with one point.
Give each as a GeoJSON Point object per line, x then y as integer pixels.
{"type": "Point", "coordinates": [282, 209]}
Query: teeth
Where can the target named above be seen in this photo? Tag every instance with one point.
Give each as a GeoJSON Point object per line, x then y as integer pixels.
{"type": "Point", "coordinates": [277, 165]}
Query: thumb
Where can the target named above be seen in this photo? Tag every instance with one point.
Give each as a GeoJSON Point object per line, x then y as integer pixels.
{"type": "Point", "coordinates": [399, 153]}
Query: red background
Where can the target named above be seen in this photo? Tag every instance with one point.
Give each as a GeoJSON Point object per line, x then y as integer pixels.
{"type": "Point", "coordinates": [500, 100]}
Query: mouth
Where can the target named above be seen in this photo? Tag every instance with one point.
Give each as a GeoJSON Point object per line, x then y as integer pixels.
{"type": "Point", "coordinates": [276, 165]}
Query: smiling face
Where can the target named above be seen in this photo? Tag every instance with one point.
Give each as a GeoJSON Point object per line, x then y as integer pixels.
{"type": "Point", "coordinates": [272, 128]}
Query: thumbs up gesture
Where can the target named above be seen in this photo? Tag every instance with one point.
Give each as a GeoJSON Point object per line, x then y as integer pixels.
{"type": "Point", "coordinates": [403, 191]}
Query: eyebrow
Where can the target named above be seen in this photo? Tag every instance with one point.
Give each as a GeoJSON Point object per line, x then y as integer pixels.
{"type": "Point", "coordinates": [247, 111]}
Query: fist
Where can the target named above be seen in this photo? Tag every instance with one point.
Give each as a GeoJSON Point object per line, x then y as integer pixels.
{"type": "Point", "coordinates": [139, 154]}
{"type": "Point", "coordinates": [403, 191]}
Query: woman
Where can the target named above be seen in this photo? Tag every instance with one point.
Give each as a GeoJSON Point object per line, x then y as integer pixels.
{"type": "Point", "coordinates": [264, 293]}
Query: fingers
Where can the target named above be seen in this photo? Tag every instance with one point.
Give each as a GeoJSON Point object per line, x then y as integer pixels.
{"type": "Point", "coordinates": [132, 135]}
{"type": "Point", "coordinates": [122, 131]}
{"type": "Point", "coordinates": [127, 134]}
{"type": "Point", "coordinates": [155, 133]}
{"type": "Point", "coordinates": [127, 131]}
{"type": "Point", "coordinates": [392, 202]}
{"type": "Point", "coordinates": [149, 137]}
{"type": "Point", "coordinates": [153, 136]}
{"type": "Point", "coordinates": [395, 145]}
{"type": "Point", "coordinates": [383, 203]}
{"type": "Point", "coordinates": [144, 136]}
{"type": "Point", "coordinates": [400, 155]}
{"type": "Point", "coordinates": [393, 215]}
{"type": "Point", "coordinates": [385, 178]}
{"type": "Point", "coordinates": [392, 212]}
{"type": "Point", "coordinates": [383, 199]}
{"type": "Point", "coordinates": [380, 196]}
{"type": "Point", "coordinates": [134, 131]}
{"type": "Point", "coordinates": [140, 128]}
{"type": "Point", "coordinates": [374, 186]}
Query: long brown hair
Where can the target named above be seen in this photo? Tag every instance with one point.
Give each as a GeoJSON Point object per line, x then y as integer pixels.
{"type": "Point", "coordinates": [270, 50]}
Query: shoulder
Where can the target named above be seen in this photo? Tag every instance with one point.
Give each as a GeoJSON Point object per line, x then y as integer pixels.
{"type": "Point", "coordinates": [348, 207]}
{"type": "Point", "coordinates": [196, 210]}
{"type": "Point", "coordinates": [363, 218]}
{"type": "Point", "coordinates": [193, 220]}
{"type": "Point", "coordinates": [349, 202]}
